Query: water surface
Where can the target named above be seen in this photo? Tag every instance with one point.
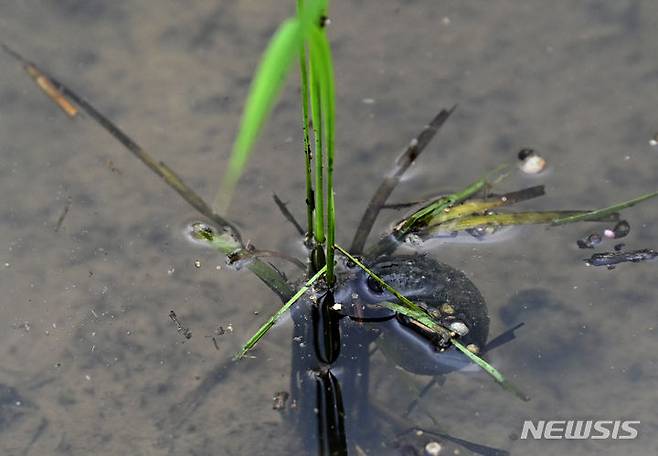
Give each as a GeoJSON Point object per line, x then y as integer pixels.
{"type": "Point", "coordinates": [90, 361]}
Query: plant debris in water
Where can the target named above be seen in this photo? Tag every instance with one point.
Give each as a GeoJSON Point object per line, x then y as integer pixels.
{"type": "Point", "coordinates": [279, 400]}
{"type": "Point", "coordinates": [610, 259]}
{"type": "Point", "coordinates": [183, 330]}
{"type": "Point", "coordinates": [590, 241]}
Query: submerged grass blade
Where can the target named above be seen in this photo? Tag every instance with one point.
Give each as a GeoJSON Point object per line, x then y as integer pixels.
{"type": "Point", "coordinates": [473, 206]}
{"type": "Point", "coordinates": [273, 319]}
{"type": "Point", "coordinates": [421, 217]}
{"type": "Point", "coordinates": [266, 85]}
{"type": "Point", "coordinates": [412, 310]}
{"type": "Point", "coordinates": [599, 213]}
{"type": "Point", "coordinates": [513, 218]}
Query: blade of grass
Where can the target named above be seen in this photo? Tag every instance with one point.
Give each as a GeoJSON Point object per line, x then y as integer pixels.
{"type": "Point", "coordinates": [310, 203]}
{"type": "Point", "coordinates": [320, 48]}
{"type": "Point", "coordinates": [318, 134]}
{"type": "Point", "coordinates": [598, 213]}
{"type": "Point", "coordinates": [304, 94]}
{"type": "Point", "coordinates": [253, 340]}
{"type": "Point", "coordinates": [265, 88]}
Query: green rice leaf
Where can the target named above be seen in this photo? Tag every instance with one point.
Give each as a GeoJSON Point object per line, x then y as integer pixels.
{"type": "Point", "coordinates": [321, 51]}
{"type": "Point", "coordinates": [265, 88]}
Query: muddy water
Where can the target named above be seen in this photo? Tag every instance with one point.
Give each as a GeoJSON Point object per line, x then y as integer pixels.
{"type": "Point", "coordinates": [90, 361]}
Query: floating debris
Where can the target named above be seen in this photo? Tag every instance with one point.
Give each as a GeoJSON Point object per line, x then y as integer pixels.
{"type": "Point", "coordinates": [531, 162]}
{"type": "Point", "coordinates": [590, 241]}
{"type": "Point", "coordinates": [610, 259]}
{"type": "Point", "coordinates": [179, 326]}
{"type": "Point", "coordinates": [620, 230]}
{"type": "Point", "coordinates": [62, 216]}
{"type": "Point", "coordinates": [197, 264]}
{"type": "Point", "coordinates": [279, 400]}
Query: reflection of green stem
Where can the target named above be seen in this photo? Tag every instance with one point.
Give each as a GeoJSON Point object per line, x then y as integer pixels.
{"type": "Point", "coordinates": [273, 319]}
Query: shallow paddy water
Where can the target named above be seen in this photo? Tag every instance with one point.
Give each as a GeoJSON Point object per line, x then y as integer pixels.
{"type": "Point", "coordinates": [90, 362]}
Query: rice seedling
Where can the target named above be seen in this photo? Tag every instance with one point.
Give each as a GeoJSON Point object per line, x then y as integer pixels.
{"type": "Point", "coordinates": [320, 311]}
